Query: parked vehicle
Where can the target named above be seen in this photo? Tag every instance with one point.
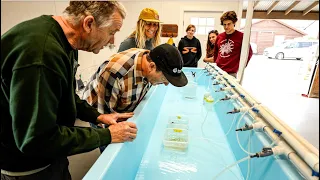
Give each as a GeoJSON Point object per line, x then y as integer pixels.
{"type": "Point", "coordinates": [254, 48]}
{"type": "Point", "coordinates": [290, 49]}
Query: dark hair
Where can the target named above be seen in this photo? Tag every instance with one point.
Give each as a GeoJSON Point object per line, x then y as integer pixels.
{"type": "Point", "coordinates": [190, 26]}
{"type": "Point", "coordinates": [229, 15]}
{"type": "Point", "coordinates": [209, 45]}
{"type": "Point", "coordinates": [150, 60]}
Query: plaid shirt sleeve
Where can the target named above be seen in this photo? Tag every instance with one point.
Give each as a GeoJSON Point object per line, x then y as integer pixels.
{"type": "Point", "coordinates": [108, 88]}
{"type": "Point", "coordinates": [102, 92]}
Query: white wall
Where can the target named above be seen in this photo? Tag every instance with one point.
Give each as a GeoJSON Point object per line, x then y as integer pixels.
{"type": "Point", "coordinates": [169, 12]}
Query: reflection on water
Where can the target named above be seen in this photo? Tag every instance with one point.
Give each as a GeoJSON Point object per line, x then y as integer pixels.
{"type": "Point", "coordinates": [203, 158]}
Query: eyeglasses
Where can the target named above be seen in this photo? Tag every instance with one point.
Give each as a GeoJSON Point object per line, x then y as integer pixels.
{"type": "Point", "coordinates": [152, 24]}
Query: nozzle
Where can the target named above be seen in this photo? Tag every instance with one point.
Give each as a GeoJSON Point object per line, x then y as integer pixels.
{"type": "Point", "coordinates": [257, 126]}
{"type": "Point", "coordinates": [265, 152]}
{"type": "Point", "coordinates": [235, 96]}
{"type": "Point", "coordinates": [225, 98]}
{"type": "Point", "coordinates": [221, 89]}
{"type": "Point", "coordinates": [233, 111]}
{"type": "Point", "coordinates": [245, 128]}
{"type": "Point", "coordinates": [193, 74]}
{"type": "Point", "coordinates": [224, 89]}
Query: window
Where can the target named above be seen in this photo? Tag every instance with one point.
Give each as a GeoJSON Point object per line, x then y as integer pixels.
{"type": "Point", "coordinates": [203, 25]}
{"type": "Point", "coordinates": [291, 45]}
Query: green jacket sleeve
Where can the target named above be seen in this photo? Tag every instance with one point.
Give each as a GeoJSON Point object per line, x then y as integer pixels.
{"type": "Point", "coordinates": [38, 128]}
{"type": "Point", "coordinates": [85, 112]}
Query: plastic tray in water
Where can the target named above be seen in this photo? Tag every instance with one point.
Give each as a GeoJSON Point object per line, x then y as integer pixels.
{"type": "Point", "coordinates": [179, 126]}
{"type": "Point", "coordinates": [190, 90]}
{"type": "Point", "coordinates": [178, 119]}
{"type": "Point", "coordinates": [176, 138]}
{"type": "Point", "coordinates": [190, 77]}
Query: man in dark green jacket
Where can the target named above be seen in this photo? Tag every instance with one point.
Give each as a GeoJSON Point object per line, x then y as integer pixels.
{"type": "Point", "coordinates": [38, 101]}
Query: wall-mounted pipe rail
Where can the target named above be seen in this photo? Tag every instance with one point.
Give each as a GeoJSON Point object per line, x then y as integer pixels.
{"type": "Point", "coordinates": [301, 153]}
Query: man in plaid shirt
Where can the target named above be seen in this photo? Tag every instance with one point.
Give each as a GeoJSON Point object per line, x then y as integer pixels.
{"type": "Point", "coordinates": [121, 82]}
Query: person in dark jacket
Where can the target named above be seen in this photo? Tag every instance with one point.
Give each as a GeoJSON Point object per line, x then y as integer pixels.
{"type": "Point", "coordinates": [190, 48]}
{"type": "Point", "coordinates": [38, 103]}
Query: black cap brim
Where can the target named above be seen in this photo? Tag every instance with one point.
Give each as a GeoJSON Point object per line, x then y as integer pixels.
{"type": "Point", "coordinates": [178, 81]}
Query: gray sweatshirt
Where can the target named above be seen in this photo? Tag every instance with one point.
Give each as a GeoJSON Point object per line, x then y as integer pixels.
{"type": "Point", "coordinates": [131, 43]}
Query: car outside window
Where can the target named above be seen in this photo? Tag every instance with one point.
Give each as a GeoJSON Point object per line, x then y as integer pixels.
{"type": "Point", "coordinates": [304, 44]}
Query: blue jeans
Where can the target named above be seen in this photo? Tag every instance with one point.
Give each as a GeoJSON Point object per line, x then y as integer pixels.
{"type": "Point", "coordinates": [102, 148]}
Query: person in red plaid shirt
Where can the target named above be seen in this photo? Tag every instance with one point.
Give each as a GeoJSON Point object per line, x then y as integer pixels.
{"type": "Point", "coordinates": [121, 82]}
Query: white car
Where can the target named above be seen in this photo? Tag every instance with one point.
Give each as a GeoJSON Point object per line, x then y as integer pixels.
{"type": "Point", "coordinates": [290, 49]}
{"type": "Point", "coordinates": [254, 48]}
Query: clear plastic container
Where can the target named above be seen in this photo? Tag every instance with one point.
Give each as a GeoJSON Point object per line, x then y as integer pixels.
{"type": "Point", "coordinates": [178, 119]}
{"type": "Point", "coordinates": [176, 138]}
{"type": "Point", "coordinates": [205, 96]}
{"type": "Point", "coordinates": [209, 103]}
{"type": "Point", "coordinates": [179, 126]}
{"type": "Point", "coordinates": [190, 90]}
{"type": "Point", "coordinates": [190, 77]}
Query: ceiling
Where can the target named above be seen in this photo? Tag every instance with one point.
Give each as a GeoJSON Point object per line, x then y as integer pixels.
{"type": "Point", "coordinates": [284, 9]}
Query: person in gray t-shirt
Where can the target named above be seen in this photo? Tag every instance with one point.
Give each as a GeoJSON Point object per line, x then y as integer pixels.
{"type": "Point", "coordinates": [147, 33]}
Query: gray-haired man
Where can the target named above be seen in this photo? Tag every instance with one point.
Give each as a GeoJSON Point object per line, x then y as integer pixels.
{"type": "Point", "coordinates": [38, 101]}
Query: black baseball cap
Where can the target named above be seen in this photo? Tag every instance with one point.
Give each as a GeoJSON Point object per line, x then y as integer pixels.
{"type": "Point", "coordinates": [168, 59]}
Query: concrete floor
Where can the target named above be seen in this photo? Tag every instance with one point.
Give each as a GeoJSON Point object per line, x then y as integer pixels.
{"type": "Point", "coordinates": [274, 83]}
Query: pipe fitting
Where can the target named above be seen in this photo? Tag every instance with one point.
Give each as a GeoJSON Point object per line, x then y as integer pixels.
{"type": "Point", "coordinates": [258, 126]}
{"type": "Point", "coordinates": [244, 109]}
{"type": "Point", "coordinates": [313, 161]}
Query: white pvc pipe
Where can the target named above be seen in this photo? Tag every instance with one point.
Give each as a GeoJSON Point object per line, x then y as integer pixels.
{"type": "Point", "coordinates": [245, 42]}
{"type": "Point", "coordinates": [307, 154]}
{"type": "Point", "coordinates": [301, 139]}
{"type": "Point", "coordinates": [303, 149]}
{"type": "Point", "coordinates": [289, 152]}
{"type": "Point", "coordinates": [311, 159]}
{"type": "Point", "coordinates": [293, 157]}
{"type": "Point", "coordinates": [251, 100]}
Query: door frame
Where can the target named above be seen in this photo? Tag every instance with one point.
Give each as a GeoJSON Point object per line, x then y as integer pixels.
{"type": "Point", "coordinates": [202, 8]}
{"type": "Point", "coordinates": [203, 37]}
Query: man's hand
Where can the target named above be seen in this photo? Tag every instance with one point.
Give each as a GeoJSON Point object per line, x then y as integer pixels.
{"type": "Point", "coordinates": [123, 131]}
{"type": "Point", "coordinates": [194, 50]}
{"type": "Point", "coordinates": [112, 118]}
